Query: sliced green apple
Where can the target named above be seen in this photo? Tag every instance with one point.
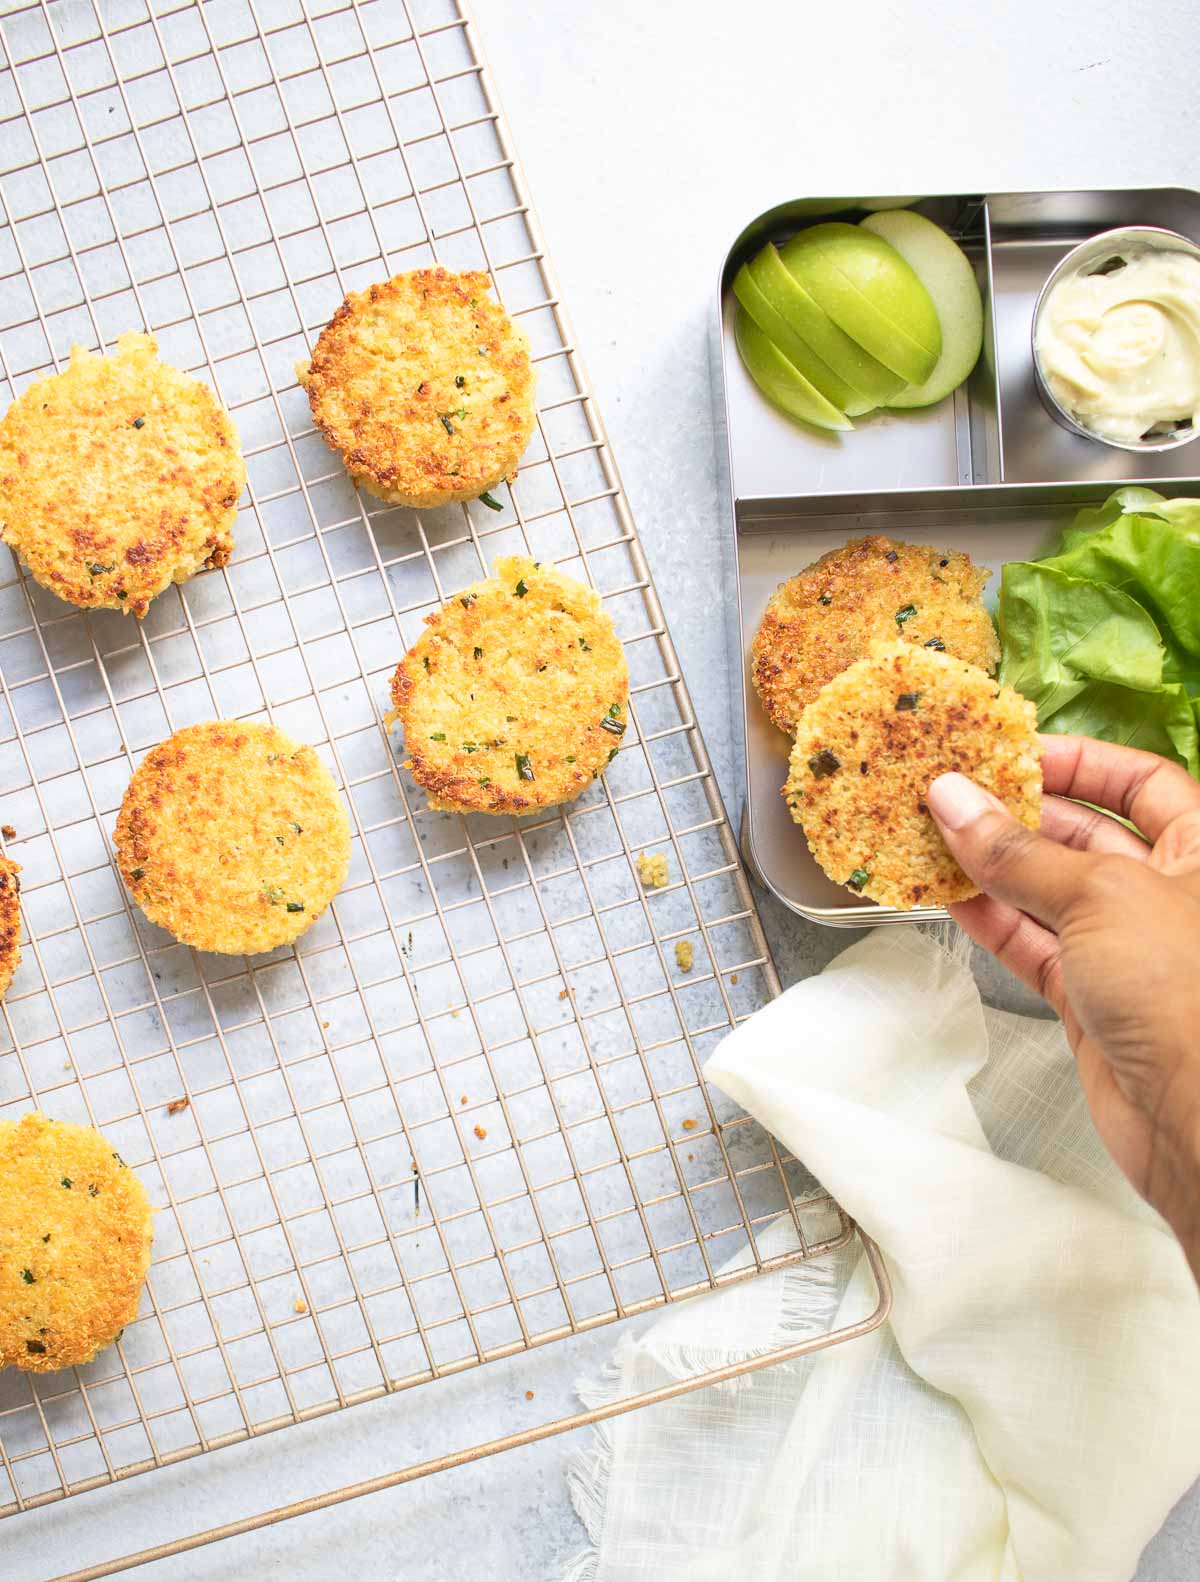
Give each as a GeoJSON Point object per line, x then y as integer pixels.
{"type": "Point", "coordinates": [946, 273]}
{"type": "Point", "coordinates": [836, 349]}
{"type": "Point", "coordinates": [798, 352]}
{"type": "Point", "coordinates": [782, 383]}
{"type": "Point", "coordinates": [871, 293]}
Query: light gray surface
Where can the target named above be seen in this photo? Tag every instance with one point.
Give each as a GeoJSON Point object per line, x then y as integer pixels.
{"type": "Point", "coordinates": [649, 133]}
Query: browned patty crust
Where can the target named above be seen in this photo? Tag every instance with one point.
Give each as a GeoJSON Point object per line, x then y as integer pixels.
{"type": "Point", "coordinates": [232, 836]}
{"type": "Point", "coordinates": [867, 749]}
{"type": "Point", "coordinates": [516, 696]}
{"type": "Point", "coordinates": [425, 386]}
{"type": "Point", "coordinates": [75, 1231]}
{"type": "Point", "coordinates": [10, 922]}
{"type": "Point", "coordinates": [118, 476]}
{"type": "Point", "coordinates": [871, 590]}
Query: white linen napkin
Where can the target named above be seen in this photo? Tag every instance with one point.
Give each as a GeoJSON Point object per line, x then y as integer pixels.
{"type": "Point", "coordinates": [1030, 1413]}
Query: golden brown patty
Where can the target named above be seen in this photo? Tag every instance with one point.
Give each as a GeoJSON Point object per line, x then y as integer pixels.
{"type": "Point", "coordinates": [10, 922]}
{"type": "Point", "coordinates": [75, 1229]}
{"type": "Point", "coordinates": [232, 837]}
{"type": "Point", "coordinates": [425, 386]}
{"type": "Point", "coordinates": [870, 744]}
{"type": "Point", "coordinates": [870, 591]}
{"type": "Point", "coordinates": [118, 476]}
{"type": "Point", "coordinates": [517, 695]}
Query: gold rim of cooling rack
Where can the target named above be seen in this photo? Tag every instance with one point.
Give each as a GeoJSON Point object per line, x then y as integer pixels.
{"type": "Point", "coordinates": [525, 1436]}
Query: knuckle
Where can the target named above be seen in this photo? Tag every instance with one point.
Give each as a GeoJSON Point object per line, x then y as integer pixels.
{"type": "Point", "coordinates": [1178, 848]}
{"type": "Point", "coordinates": [1174, 779]}
{"type": "Point", "coordinates": [1082, 833]}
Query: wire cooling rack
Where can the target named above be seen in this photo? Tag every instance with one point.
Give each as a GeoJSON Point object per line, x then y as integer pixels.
{"type": "Point", "coordinates": [463, 1115]}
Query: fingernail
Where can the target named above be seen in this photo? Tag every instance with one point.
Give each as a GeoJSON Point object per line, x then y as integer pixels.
{"type": "Point", "coordinates": [956, 801]}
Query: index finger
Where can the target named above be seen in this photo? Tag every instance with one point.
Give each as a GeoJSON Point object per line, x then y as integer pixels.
{"type": "Point", "coordinates": [1142, 787]}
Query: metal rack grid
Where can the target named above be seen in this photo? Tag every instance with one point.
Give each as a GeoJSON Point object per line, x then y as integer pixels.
{"type": "Point", "coordinates": [464, 1115]}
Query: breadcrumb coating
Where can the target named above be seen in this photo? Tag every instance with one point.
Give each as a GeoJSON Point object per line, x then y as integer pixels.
{"type": "Point", "coordinates": [75, 1232]}
{"type": "Point", "coordinates": [232, 836]}
{"type": "Point", "coordinates": [10, 922]}
{"type": "Point", "coordinates": [425, 386]}
{"type": "Point", "coordinates": [867, 749]}
{"type": "Point", "coordinates": [869, 591]}
{"type": "Point", "coordinates": [517, 696]}
{"type": "Point", "coordinates": [118, 476]}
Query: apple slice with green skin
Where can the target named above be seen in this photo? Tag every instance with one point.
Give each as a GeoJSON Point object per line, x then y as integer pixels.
{"type": "Point", "coordinates": [791, 301]}
{"type": "Point", "coordinates": [871, 293]}
{"type": "Point", "coordinates": [946, 273]}
{"type": "Point", "coordinates": [782, 383]}
{"type": "Point", "coordinates": [798, 352]}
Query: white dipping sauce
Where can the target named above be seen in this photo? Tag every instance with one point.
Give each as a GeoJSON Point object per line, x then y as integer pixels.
{"type": "Point", "coordinates": [1121, 351]}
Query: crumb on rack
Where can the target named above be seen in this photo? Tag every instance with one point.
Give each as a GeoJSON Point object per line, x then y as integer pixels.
{"type": "Point", "coordinates": [8, 832]}
{"type": "Point", "coordinates": [463, 1099]}
{"type": "Point", "coordinates": [481, 1132]}
{"type": "Point", "coordinates": [652, 870]}
{"type": "Point", "coordinates": [300, 1305]}
{"type": "Point", "coordinates": [176, 1105]}
{"type": "Point", "coordinates": [562, 993]}
{"type": "Point", "coordinates": [529, 1395]}
{"type": "Point", "coordinates": [690, 1125]}
{"type": "Point", "coordinates": [733, 977]}
{"type": "Point", "coordinates": [683, 954]}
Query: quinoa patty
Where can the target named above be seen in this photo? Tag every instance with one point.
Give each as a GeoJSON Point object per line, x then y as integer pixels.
{"type": "Point", "coordinates": [867, 749]}
{"type": "Point", "coordinates": [232, 836]}
{"type": "Point", "coordinates": [118, 476]}
{"type": "Point", "coordinates": [869, 591]}
{"type": "Point", "coordinates": [10, 922]}
{"type": "Point", "coordinates": [517, 696]}
{"type": "Point", "coordinates": [424, 384]}
{"type": "Point", "coordinates": [75, 1229]}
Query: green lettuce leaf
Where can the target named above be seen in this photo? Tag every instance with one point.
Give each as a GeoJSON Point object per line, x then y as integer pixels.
{"type": "Point", "coordinates": [1093, 517]}
{"type": "Point", "coordinates": [1156, 561]}
{"type": "Point", "coordinates": [1162, 722]}
{"type": "Point", "coordinates": [1104, 635]}
{"type": "Point", "coordinates": [1062, 632]}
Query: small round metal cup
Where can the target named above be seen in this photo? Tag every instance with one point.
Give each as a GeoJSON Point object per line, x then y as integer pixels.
{"type": "Point", "coordinates": [1087, 259]}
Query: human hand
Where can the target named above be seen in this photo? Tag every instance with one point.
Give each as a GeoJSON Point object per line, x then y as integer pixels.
{"type": "Point", "coordinates": [1105, 925]}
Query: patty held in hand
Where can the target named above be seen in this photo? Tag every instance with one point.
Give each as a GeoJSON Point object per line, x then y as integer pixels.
{"type": "Point", "coordinates": [424, 384]}
{"type": "Point", "coordinates": [1102, 918]}
{"type": "Point", "coordinates": [118, 476]}
{"type": "Point", "coordinates": [232, 836]}
{"type": "Point", "coordinates": [75, 1230]}
{"type": "Point", "coordinates": [867, 749]}
{"type": "Point", "coordinates": [517, 696]}
{"type": "Point", "coordinates": [871, 590]}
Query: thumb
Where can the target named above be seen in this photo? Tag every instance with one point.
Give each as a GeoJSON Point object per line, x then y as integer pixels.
{"type": "Point", "coordinates": [1005, 859]}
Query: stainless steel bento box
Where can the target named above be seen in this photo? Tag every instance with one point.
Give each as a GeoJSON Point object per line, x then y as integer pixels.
{"type": "Point", "coordinates": [987, 470]}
